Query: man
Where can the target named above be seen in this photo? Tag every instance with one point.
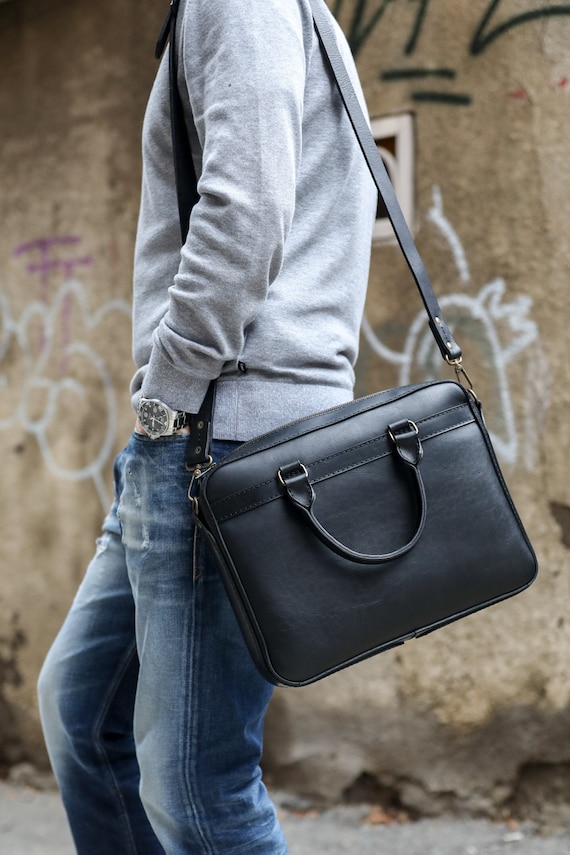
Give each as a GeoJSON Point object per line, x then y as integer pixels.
{"type": "Point", "coordinates": [151, 706]}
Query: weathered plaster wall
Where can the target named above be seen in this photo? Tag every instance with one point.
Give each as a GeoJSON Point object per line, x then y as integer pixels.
{"type": "Point", "coordinates": [479, 713]}
{"type": "Point", "coordinates": [74, 79]}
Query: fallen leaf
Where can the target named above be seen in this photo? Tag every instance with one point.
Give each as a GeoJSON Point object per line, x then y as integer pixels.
{"type": "Point", "coordinates": [378, 816]}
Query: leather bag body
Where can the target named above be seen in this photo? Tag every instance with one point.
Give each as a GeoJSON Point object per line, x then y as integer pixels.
{"type": "Point", "coordinates": [425, 552]}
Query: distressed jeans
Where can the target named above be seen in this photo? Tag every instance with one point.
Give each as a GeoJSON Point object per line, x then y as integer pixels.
{"type": "Point", "coordinates": [151, 706]}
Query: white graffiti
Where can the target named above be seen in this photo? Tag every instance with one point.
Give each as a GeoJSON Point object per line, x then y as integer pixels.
{"type": "Point", "coordinates": [438, 218]}
{"type": "Point", "coordinates": [42, 358]}
{"type": "Point", "coordinates": [504, 330]}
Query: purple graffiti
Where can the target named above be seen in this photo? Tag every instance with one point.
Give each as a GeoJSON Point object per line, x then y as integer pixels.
{"type": "Point", "coordinates": [46, 263]}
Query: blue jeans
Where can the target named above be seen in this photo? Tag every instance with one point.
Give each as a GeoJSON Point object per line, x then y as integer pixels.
{"type": "Point", "coordinates": [151, 706]}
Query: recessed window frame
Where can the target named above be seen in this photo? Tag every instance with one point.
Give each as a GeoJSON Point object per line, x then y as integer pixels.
{"type": "Point", "coordinates": [399, 131]}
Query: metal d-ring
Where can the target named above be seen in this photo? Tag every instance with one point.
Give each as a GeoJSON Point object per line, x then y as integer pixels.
{"type": "Point", "coordinates": [413, 426]}
{"type": "Point", "coordinates": [281, 480]}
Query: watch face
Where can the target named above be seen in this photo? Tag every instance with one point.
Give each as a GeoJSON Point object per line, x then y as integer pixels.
{"type": "Point", "coordinates": [153, 416]}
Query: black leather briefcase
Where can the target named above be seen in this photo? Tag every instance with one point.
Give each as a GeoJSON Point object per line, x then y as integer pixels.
{"type": "Point", "coordinates": [348, 532]}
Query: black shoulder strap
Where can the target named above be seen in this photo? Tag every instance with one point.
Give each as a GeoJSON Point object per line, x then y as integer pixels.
{"type": "Point", "coordinates": [186, 181]}
{"type": "Point", "coordinates": [445, 341]}
{"type": "Point", "coordinates": [188, 194]}
{"type": "Point", "coordinates": [198, 448]}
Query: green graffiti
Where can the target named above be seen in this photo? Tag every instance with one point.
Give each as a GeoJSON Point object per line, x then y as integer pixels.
{"type": "Point", "coordinates": [418, 26]}
{"type": "Point", "coordinates": [365, 17]}
{"type": "Point", "coordinates": [484, 37]}
{"type": "Point", "coordinates": [362, 21]}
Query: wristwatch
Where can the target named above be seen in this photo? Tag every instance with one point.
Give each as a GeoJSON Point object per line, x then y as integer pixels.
{"type": "Point", "coordinates": [158, 419]}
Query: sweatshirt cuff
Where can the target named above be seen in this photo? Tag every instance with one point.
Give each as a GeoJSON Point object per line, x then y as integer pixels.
{"type": "Point", "coordinates": [175, 388]}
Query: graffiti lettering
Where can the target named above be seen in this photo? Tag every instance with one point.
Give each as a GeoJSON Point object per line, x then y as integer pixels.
{"type": "Point", "coordinates": [417, 28]}
{"type": "Point", "coordinates": [484, 36]}
{"type": "Point", "coordinates": [360, 20]}
{"type": "Point", "coordinates": [363, 22]}
{"type": "Point", "coordinates": [43, 382]}
{"type": "Point", "coordinates": [47, 264]}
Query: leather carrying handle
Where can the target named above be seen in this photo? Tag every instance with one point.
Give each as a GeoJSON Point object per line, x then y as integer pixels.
{"type": "Point", "coordinates": [294, 478]}
{"type": "Point", "coordinates": [186, 182]}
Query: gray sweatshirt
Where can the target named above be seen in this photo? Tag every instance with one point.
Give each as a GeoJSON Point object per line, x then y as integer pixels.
{"type": "Point", "coordinates": [268, 291]}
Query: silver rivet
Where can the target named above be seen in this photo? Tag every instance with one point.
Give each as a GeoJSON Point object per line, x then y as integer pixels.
{"type": "Point", "coordinates": [200, 425]}
{"type": "Point", "coordinates": [438, 321]}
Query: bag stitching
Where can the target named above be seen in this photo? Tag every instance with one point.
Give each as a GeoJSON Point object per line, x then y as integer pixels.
{"type": "Point", "coordinates": [273, 496]}
{"type": "Point", "coordinates": [242, 452]}
{"type": "Point", "coordinates": [218, 502]}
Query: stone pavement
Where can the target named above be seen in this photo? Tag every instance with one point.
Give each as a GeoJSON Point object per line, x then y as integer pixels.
{"type": "Point", "coordinates": [32, 822]}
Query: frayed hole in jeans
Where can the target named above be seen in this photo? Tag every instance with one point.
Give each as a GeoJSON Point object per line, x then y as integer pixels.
{"type": "Point", "coordinates": [145, 537]}
{"type": "Point", "coordinates": [101, 544]}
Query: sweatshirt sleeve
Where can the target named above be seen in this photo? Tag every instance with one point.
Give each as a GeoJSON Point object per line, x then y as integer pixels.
{"type": "Point", "coordinates": [243, 64]}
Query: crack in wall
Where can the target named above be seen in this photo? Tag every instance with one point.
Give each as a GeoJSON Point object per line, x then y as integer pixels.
{"type": "Point", "coordinates": [561, 514]}
{"type": "Point", "coordinates": [11, 642]}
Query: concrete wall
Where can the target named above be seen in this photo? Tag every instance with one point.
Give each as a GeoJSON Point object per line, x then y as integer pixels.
{"type": "Point", "coordinates": [75, 77]}
{"type": "Point", "coordinates": [478, 714]}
